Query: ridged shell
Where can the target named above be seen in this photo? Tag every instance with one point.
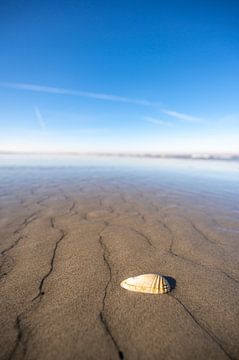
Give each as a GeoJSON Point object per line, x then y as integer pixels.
{"type": "Point", "coordinates": [147, 283]}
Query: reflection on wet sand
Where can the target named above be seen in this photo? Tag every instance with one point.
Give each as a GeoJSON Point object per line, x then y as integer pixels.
{"type": "Point", "coordinates": [69, 236]}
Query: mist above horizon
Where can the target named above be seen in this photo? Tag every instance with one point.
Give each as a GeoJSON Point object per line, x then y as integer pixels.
{"type": "Point", "coordinates": [119, 78]}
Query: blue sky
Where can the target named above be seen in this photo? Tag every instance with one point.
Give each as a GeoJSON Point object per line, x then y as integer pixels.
{"type": "Point", "coordinates": [145, 76]}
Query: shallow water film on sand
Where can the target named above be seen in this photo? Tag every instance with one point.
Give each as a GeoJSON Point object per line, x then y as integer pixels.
{"type": "Point", "coordinates": [72, 229]}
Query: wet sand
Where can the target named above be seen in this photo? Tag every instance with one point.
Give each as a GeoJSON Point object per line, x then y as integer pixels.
{"type": "Point", "coordinates": [67, 241]}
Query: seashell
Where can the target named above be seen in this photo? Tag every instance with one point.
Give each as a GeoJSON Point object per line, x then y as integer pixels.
{"type": "Point", "coordinates": [147, 283]}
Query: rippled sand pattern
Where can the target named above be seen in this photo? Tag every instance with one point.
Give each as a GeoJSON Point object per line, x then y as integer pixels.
{"type": "Point", "coordinates": [68, 239]}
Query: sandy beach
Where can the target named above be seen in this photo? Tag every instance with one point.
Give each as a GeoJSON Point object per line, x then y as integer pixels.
{"type": "Point", "coordinates": [68, 239]}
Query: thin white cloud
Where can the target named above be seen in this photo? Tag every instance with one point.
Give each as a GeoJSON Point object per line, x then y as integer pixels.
{"type": "Point", "coordinates": [157, 121]}
{"type": "Point", "coordinates": [40, 120]}
{"type": "Point", "coordinates": [62, 91]}
{"type": "Point", "coordinates": [182, 116]}
{"type": "Point", "coordinates": [102, 96]}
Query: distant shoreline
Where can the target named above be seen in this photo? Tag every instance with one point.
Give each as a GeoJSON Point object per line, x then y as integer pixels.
{"type": "Point", "coordinates": [194, 156]}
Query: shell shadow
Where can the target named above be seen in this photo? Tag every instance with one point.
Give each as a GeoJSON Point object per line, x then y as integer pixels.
{"type": "Point", "coordinates": [171, 281]}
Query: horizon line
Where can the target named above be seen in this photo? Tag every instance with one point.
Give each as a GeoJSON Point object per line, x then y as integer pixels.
{"type": "Point", "coordinates": [194, 155]}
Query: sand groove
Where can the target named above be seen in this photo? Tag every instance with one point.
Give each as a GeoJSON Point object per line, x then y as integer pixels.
{"type": "Point", "coordinates": [146, 238]}
{"type": "Point", "coordinates": [22, 226]}
{"type": "Point", "coordinates": [204, 329]}
{"type": "Point", "coordinates": [102, 312]}
{"type": "Point", "coordinates": [184, 258]}
{"type": "Point", "coordinates": [52, 261]}
{"type": "Point", "coordinates": [4, 253]}
{"type": "Point", "coordinates": [72, 208]}
{"type": "Point", "coordinates": [201, 233]}
{"type": "Point", "coordinates": [21, 339]}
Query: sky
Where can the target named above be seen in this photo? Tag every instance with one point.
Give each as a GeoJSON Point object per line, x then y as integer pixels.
{"type": "Point", "coordinates": [119, 76]}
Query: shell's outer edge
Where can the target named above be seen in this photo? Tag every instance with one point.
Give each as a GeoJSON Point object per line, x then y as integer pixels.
{"type": "Point", "coordinates": [159, 284]}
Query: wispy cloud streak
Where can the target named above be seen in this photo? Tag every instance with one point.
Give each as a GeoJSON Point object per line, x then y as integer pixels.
{"type": "Point", "coordinates": [157, 121]}
{"type": "Point", "coordinates": [182, 116]}
{"type": "Point", "coordinates": [106, 97]}
{"type": "Point", "coordinates": [62, 91]}
{"type": "Point", "coordinates": [40, 119]}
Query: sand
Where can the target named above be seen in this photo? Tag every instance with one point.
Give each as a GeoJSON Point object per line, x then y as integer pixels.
{"type": "Point", "coordinates": [68, 241]}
